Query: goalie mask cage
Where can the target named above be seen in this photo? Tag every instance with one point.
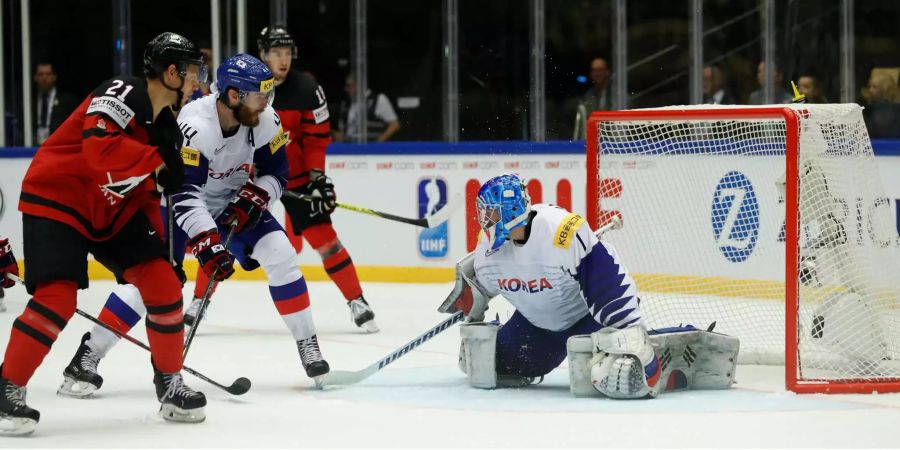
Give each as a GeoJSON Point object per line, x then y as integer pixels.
{"type": "Point", "coordinates": [770, 221]}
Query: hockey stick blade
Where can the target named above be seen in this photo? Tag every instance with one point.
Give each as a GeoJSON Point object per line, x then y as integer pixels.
{"type": "Point", "coordinates": [441, 216]}
{"type": "Point", "coordinates": [240, 386]}
{"type": "Point", "coordinates": [343, 377]}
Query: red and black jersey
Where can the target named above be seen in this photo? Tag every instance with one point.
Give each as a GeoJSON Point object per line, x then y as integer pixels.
{"type": "Point", "coordinates": [93, 172]}
{"type": "Point", "coordinates": [300, 102]}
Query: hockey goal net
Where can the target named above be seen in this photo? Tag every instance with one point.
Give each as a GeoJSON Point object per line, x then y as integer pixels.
{"type": "Point", "coordinates": [770, 221]}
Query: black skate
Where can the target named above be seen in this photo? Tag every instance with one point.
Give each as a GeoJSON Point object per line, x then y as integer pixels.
{"type": "Point", "coordinates": [192, 310]}
{"type": "Point", "coordinates": [315, 365]}
{"type": "Point", "coordinates": [16, 418]}
{"type": "Point", "coordinates": [362, 315]}
{"type": "Point", "coordinates": [180, 403]}
{"type": "Point", "coordinates": [80, 377]}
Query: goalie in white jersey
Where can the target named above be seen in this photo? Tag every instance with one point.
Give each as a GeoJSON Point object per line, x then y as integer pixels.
{"type": "Point", "coordinates": [235, 168]}
{"type": "Point", "coordinates": [564, 283]}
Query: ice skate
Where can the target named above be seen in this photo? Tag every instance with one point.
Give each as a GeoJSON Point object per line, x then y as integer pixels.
{"type": "Point", "coordinates": [16, 418]}
{"type": "Point", "coordinates": [192, 311]}
{"type": "Point", "coordinates": [362, 315]}
{"type": "Point", "coordinates": [80, 376]}
{"type": "Point", "coordinates": [180, 403]}
{"type": "Point", "coordinates": [311, 357]}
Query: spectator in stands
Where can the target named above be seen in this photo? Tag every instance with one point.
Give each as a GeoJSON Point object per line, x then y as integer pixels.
{"type": "Point", "coordinates": [809, 86]}
{"type": "Point", "coordinates": [598, 97]}
{"type": "Point", "coordinates": [382, 122]}
{"type": "Point", "coordinates": [714, 90]}
{"type": "Point", "coordinates": [758, 97]}
{"type": "Point", "coordinates": [51, 105]}
{"type": "Point", "coordinates": [882, 113]}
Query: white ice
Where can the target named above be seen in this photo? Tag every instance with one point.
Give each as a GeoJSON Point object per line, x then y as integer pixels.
{"type": "Point", "coordinates": [421, 400]}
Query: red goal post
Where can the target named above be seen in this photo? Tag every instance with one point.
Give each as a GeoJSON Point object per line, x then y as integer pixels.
{"type": "Point", "coordinates": [670, 143]}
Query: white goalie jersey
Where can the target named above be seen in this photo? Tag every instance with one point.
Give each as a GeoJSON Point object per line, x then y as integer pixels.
{"type": "Point", "coordinates": [560, 274]}
{"type": "Point", "coordinates": [216, 166]}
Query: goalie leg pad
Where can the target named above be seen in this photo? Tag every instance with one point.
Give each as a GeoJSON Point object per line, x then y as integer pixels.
{"type": "Point", "coordinates": [478, 353]}
{"type": "Point", "coordinates": [694, 359]}
{"type": "Point", "coordinates": [688, 359]}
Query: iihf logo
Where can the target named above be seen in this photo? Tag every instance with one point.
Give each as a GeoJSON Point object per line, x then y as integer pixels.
{"type": "Point", "coordinates": [432, 197]}
{"type": "Point", "coordinates": [735, 216]}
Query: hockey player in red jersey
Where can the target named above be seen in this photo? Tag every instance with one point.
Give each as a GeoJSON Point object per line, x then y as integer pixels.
{"type": "Point", "coordinates": [300, 102]}
{"type": "Point", "coordinates": [90, 189]}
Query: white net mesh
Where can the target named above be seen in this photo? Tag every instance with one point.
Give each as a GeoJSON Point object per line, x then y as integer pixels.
{"type": "Point", "coordinates": [703, 207]}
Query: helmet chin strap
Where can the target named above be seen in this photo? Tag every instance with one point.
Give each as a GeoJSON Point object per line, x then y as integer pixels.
{"type": "Point", "coordinates": [179, 95]}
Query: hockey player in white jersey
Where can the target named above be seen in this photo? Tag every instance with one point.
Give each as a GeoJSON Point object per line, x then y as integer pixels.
{"type": "Point", "coordinates": [564, 283]}
{"type": "Point", "coordinates": [235, 168]}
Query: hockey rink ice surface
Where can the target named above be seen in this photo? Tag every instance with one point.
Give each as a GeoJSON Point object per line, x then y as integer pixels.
{"type": "Point", "coordinates": [421, 400]}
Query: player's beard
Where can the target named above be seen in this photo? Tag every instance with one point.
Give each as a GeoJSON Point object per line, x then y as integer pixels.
{"type": "Point", "coordinates": [247, 117]}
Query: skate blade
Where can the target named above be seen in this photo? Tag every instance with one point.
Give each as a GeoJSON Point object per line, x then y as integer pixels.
{"type": "Point", "coordinates": [71, 387]}
{"type": "Point", "coordinates": [370, 327]}
{"type": "Point", "coordinates": [16, 426]}
{"type": "Point", "coordinates": [173, 413]}
{"type": "Point", "coordinates": [320, 381]}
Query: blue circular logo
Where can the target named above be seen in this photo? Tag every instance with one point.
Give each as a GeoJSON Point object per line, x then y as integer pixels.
{"type": "Point", "coordinates": [735, 216]}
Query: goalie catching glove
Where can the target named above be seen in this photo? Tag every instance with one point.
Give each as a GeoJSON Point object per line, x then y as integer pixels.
{"type": "Point", "coordinates": [211, 254]}
{"type": "Point", "coordinates": [468, 295]}
{"type": "Point", "coordinates": [625, 365]}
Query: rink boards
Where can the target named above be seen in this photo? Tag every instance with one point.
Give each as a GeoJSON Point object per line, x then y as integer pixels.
{"type": "Point", "coordinates": [408, 179]}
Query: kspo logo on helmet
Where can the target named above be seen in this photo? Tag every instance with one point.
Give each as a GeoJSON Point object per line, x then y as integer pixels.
{"type": "Point", "coordinates": [735, 216]}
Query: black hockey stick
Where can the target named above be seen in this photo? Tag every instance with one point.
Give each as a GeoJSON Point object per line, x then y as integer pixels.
{"type": "Point", "coordinates": [240, 386]}
{"type": "Point", "coordinates": [205, 301]}
{"type": "Point", "coordinates": [426, 222]}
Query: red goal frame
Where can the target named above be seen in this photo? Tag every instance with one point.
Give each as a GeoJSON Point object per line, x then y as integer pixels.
{"type": "Point", "coordinates": [793, 380]}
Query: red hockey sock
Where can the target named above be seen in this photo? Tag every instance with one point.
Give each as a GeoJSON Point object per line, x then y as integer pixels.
{"type": "Point", "coordinates": [335, 258]}
{"type": "Point", "coordinates": [201, 284]}
{"type": "Point", "coordinates": [35, 331]}
{"type": "Point", "coordinates": [161, 291]}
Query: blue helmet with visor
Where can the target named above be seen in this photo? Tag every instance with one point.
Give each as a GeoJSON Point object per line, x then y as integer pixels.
{"type": "Point", "coordinates": [250, 77]}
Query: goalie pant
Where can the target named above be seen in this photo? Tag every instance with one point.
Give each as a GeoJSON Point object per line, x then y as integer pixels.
{"type": "Point", "coordinates": [266, 245]}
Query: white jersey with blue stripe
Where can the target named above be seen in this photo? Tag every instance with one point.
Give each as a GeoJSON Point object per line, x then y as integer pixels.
{"type": "Point", "coordinates": [560, 274]}
{"type": "Point", "coordinates": [216, 166]}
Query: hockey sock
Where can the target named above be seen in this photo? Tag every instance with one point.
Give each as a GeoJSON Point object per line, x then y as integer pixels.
{"type": "Point", "coordinates": [335, 259]}
{"type": "Point", "coordinates": [161, 291]}
{"type": "Point", "coordinates": [34, 332]}
{"type": "Point", "coordinates": [122, 311]}
{"type": "Point", "coordinates": [292, 302]}
{"type": "Point", "coordinates": [200, 285]}
{"type": "Point", "coordinates": [286, 283]}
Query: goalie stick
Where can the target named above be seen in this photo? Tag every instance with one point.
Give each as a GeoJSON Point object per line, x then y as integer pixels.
{"type": "Point", "coordinates": [426, 222]}
{"type": "Point", "coordinates": [239, 386]}
{"type": "Point", "coordinates": [344, 377]}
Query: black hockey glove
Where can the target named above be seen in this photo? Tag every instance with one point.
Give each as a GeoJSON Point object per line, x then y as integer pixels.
{"type": "Point", "coordinates": [320, 194]}
{"type": "Point", "coordinates": [167, 138]}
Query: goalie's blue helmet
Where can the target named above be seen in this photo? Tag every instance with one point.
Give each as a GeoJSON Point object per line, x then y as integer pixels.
{"type": "Point", "coordinates": [503, 205]}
